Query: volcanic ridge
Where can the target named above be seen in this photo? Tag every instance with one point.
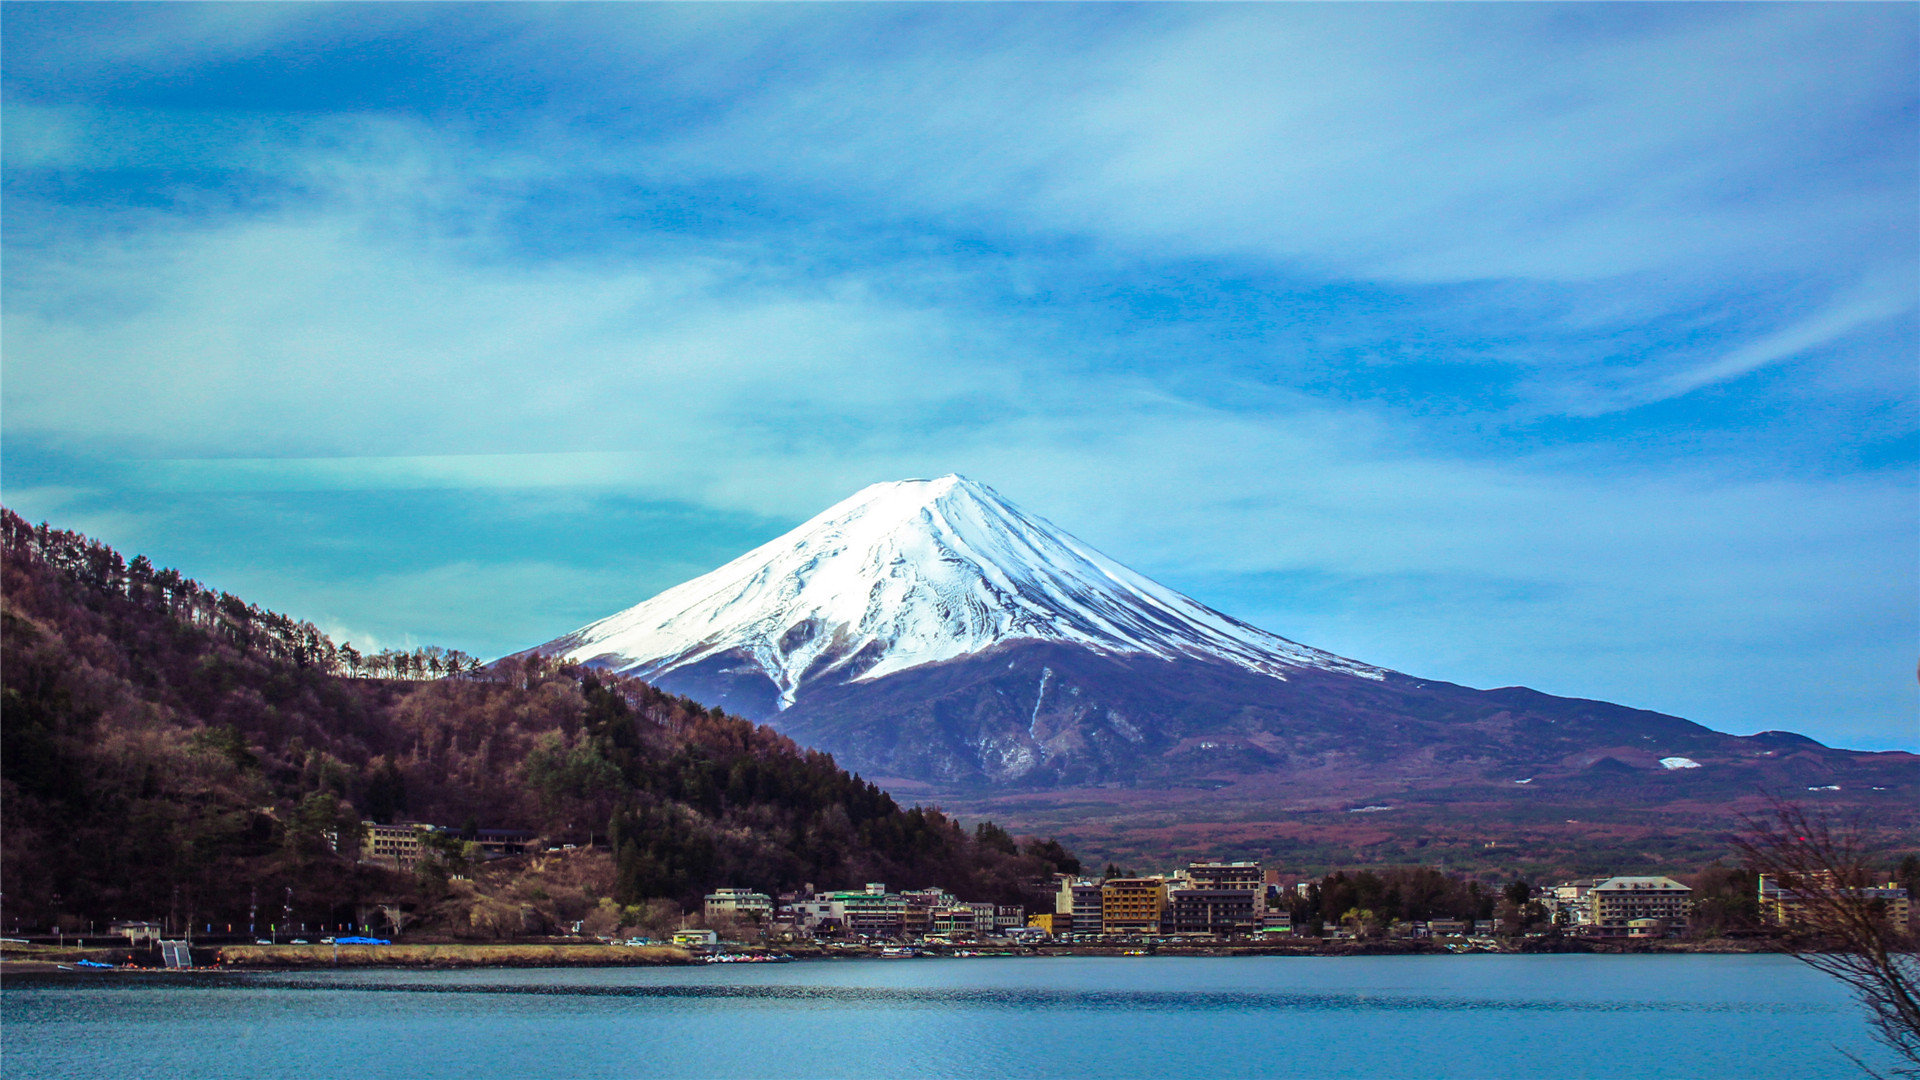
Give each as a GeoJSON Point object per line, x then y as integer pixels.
{"type": "Point", "coordinates": [936, 637]}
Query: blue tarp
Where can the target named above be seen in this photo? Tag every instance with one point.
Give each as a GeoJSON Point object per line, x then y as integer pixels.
{"type": "Point", "coordinates": [91, 963]}
{"type": "Point", "coordinates": [362, 941]}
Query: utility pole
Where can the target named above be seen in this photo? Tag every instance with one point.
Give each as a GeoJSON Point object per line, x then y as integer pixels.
{"type": "Point", "coordinates": [253, 911]}
{"type": "Point", "coordinates": [286, 912]}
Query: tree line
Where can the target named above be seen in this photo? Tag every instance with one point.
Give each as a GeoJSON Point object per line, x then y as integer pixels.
{"type": "Point", "coordinates": [250, 627]}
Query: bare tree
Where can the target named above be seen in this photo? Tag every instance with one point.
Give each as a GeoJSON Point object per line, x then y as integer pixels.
{"type": "Point", "coordinates": [1837, 924]}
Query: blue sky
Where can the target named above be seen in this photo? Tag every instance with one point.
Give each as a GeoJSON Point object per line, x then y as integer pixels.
{"type": "Point", "coordinates": [1566, 346]}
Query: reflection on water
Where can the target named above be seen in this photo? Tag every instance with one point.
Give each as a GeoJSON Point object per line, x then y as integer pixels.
{"type": "Point", "coordinates": [1553, 1016]}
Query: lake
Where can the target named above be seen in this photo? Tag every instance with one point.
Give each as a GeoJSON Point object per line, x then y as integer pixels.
{"type": "Point", "coordinates": [1445, 1016]}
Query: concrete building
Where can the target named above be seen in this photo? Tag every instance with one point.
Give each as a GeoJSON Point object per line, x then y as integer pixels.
{"type": "Point", "coordinates": [957, 921]}
{"type": "Point", "coordinates": [1086, 908]}
{"type": "Point", "coordinates": [397, 846]}
{"type": "Point", "coordinates": [1783, 906]}
{"type": "Point", "coordinates": [872, 912]}
{"type": "Point", "coordinates": [1616, 902]}
{"type": "Point", "coordinates": [739, 904]}
{"type": "Point", "coordinates": [1212, 911]}
{"type": "Point", "coordinates": [1227, 875]}
{"type": "Point", "coordinates": [1132, 905]}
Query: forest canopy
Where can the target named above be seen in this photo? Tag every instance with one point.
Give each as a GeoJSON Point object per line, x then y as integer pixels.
{"type": "Point", "coordinates": [172, 751]}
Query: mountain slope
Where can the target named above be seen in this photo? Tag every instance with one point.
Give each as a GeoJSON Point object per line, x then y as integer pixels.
{"type": "Point", "coordinates": [169, 748]}
{"type": "Point", "coordinates": [917, 572]}
{"type": "Point", "coordinates": [929, 632]}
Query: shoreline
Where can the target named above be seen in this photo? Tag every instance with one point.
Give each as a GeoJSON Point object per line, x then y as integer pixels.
{"type": "Point", "coordinates": [458, 956]}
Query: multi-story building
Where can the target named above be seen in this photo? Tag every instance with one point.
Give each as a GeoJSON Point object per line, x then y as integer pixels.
{"type": "Point", "coordinates": [1568, 900]}
{"type": "Point", "coordinates": [739, 904]}
{"type": "Point", "coordinates": [1087, 917]}
{"type": "Point", "coordinates": [1009, 917]}
{"type": "Point", "coordinates": [984, 917]}
{"type": "Point", "coordinates": [1212, 911]}
{"type": "Point", "coordinates": [1783, 906]}
{"type": "Point", "coordinates": [1132, 905]}
{"type": "Point", "coordinates": [1227, 875]}
{"type": "Point", "coordinates": [956, 921]}
{"type": "Point", "coordinates": [814, 916]}
{"type": "Point", "coordinates": [500, 843]}
{"type": "Point", "coordinates": [394, 845]}
{"type": "Point", "coordinates": [1618, 901]}
{"type": "Point", "coordinates": [872, 912]}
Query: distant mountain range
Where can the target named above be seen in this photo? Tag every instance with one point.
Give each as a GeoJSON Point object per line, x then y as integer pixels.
{"type": "Point", "coordinates": [933, 635]}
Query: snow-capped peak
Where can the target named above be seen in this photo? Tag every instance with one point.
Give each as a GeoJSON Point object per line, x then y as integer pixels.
{"type": "Point", "coordinates": [913, 572]}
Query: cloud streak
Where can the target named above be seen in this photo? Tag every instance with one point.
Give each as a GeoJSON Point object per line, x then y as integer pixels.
{"type": "Point", "coordinates": [1567, 346]}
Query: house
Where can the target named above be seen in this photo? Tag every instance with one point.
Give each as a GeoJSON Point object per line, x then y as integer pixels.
{"type": "Point", "coordinates": [696, 939]}
{"type": "Point", "coordinates": [137, 933]}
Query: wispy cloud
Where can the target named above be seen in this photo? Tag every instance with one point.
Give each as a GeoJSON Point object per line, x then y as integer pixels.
{"type": "Point", "coordinates": [1858, 307]}
{"type": "Point", "coordinates": [1410, 304]}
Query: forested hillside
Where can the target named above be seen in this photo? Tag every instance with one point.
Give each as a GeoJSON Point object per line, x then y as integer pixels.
{"type": "Point", "coordinates": [173, 751]}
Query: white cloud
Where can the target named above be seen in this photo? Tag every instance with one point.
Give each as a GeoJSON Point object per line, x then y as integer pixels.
{"type": "Point", "coordinates": [1441, 144]}
{"type": "Point", "coordinates": [1859, 307]}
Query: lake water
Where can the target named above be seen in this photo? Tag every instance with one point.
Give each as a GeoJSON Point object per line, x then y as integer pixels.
{"type": "Point", "coordinates": [1448, 1016]}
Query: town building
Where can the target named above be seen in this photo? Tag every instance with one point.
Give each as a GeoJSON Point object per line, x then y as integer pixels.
{"type": "Point", "coordinates": [956, 921]}
{"type": "Point", "coordinates": [738, 904]}
{"type": "Point", "coordinates": [1616, 902]}
{"type": "Point", "coordinates": [1086, 910]}
{"type": "Point", "coordinates": [1212, 911]}
{"type": "Point", "coordinates": [1227, 875]}
{"type": "Point", "coordinates": [397, 846]}
{"type": "Point", "coordinates": [1568, 900]}
{"type": "Point", "coordinates": [873, 912]}
{"type": "Point", "coordinates": [1132, 905]}
{"type": "Point", "coordinates": [1783, 906]}
{"type": "Point", "coordinates": [500, 843]}
{"type": "Point", "coordinates": [137, 933]}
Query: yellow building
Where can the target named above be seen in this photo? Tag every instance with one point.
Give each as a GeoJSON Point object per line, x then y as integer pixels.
{"type": "Point", "coordinates": [1044, 922]}
{"type": "Point", "coordinates": [396, 845]}
{"type": "Point", "coordinates": [1132, 905]}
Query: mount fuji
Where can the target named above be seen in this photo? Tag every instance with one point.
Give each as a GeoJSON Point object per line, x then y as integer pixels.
{"type": "Point", "coordinates": [931, 634]}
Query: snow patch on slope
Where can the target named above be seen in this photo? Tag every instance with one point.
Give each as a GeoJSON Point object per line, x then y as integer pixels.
{"type": "Point", "coordinates": [915, 572]}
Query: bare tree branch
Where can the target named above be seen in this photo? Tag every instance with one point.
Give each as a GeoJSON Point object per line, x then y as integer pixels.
{"type": "Point", "coordinates": [1840, 923]}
